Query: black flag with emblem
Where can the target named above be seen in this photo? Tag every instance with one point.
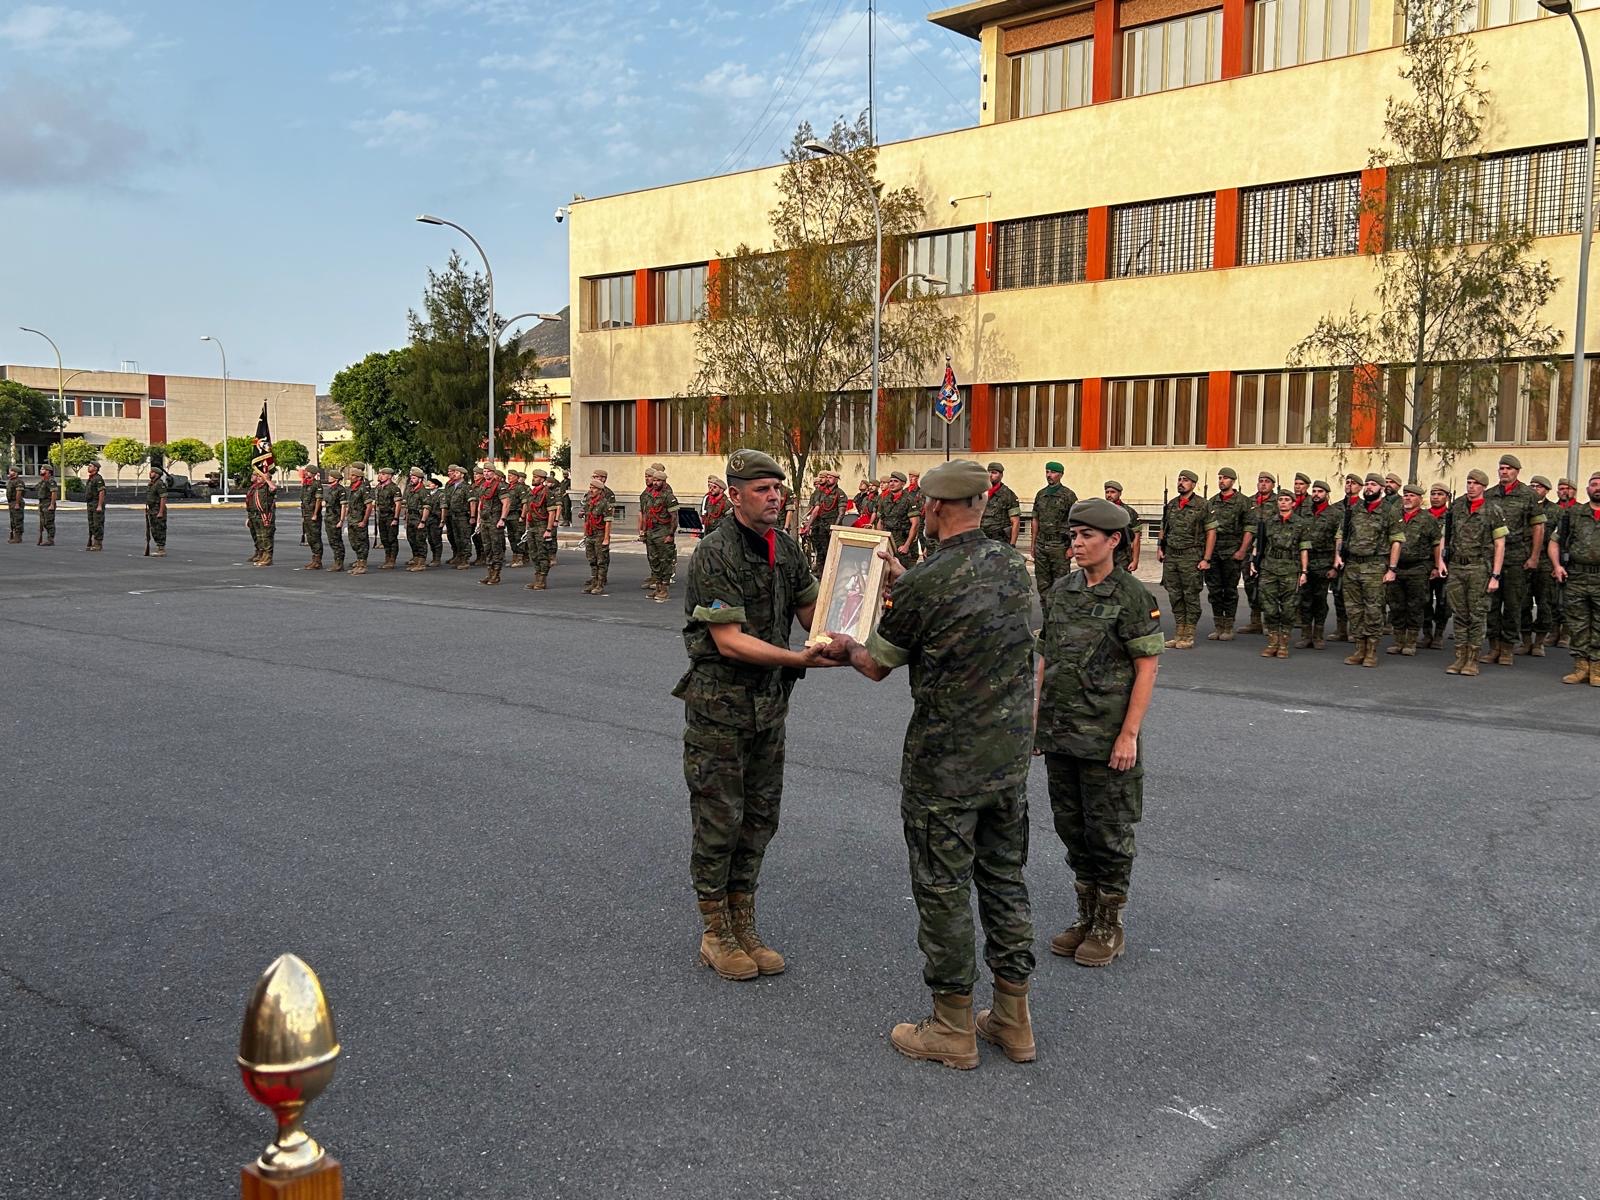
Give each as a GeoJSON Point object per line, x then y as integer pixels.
{"type": "Point", "coordinates": [262, 459]}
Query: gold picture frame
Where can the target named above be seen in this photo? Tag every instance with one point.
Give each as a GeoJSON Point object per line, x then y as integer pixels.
{"type": "Point", "coordinates": [850, 596]}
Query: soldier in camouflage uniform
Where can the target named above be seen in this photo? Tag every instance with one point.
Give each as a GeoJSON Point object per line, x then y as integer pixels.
{"type": "Point", "coordinates": [47, 493]}
{"type": "Point", "coordinates": [1437, 613]}
{"type": "Point", "coordinates": [388, 507]}
{"type": "Point", "coordinates": [541, 511]}
{"type": "Point", "coordinates": [494, 506]}
{"type": "Point", "coordinates": [260, 509]}
{"type": "Point", "coordinates": [474, 492]}
{"type": "Point", "coordinates": [1352, 497]}
{"type": "Point", "coordinates": [15, 502]}
{"type": "Point", "coordinates": [715, 508]}
{"type": "Point", "coordinates": [914, 490]}
{"type": "Point", "coordinates": [356, 514]}
{"type": "Point", "coordinates": [827, 509]}
{"type": "Point", "coordinates": [561, 498]}
{"type": "Point", "coordinates": [1002, 515]}
{"type": "Point", "coordinates": [960, 621]}
{"type": "Point", "coordinates": [311, 515]}
{"type": "Point", "coordinates": [597, 534]}
{"type": "Point", "coordinates": [1096, 676]}
{"type": "Point", "coordinates": [1051, 504]}
{"type": "Point", "coordinates": [1280, 566]}
{"type": "Point", "coordinates": [1230, 527]}
{"type": "Point", "coordinates": [1263, 508]}
{"type": "Point", "coordinates": [1127, 553]}
{"type": "Point", "coordinates": [1540, 618]}
{"type": "Point", "coordinates": [333, 497]}
{"type": "Point", "coordinates": [1322, 528]}
{"type": "Point", "coordinates": [1180, 550]}
{"type": "Point", "coordinates": [435, 522]}
{"type": "Point", "coordinates": [516, 524]}
{"type": "Point", "coordinates": [1367, 549]}
{"type": "Point", "coordinates": [155, 510]}
{"type": "Point", "coordinates": [1575, 561]}
{"type": "Point", "coordinates": [1567, 491]}
{"type": "Point", "coordinates": [1419, 565]}
{"type": "Point", "coordinates": [1524, 522]}
{"type": "Point", "coordinates": [458, 516]}
{"type": "Point", "coordinates": [658, 530]}
{"type": "Point", "coordinates": [94, 506]}
{"type": "Point", "coordinates": [748, 583]}
{"type": "Point", "coordinates": [1392, 484]}
{"type": "Point", "coordinates": [416, 505]}
{"type": "Point", "coordinates": [897, 517]}
{"type": "Point", "coordinates": [1473, 562]}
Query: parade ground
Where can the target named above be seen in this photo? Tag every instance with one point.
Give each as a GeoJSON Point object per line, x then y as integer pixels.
{"type": "Point", "coordinates": [1361, 930]}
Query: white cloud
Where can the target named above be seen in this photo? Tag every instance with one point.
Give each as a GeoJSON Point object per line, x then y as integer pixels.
{"type": "Point", "coordinates": [396, 128]}
{"type": "Point", "coordinates": [732, 81]}
{"type": "Point", "coordinates": [362, 76]}
{"type": "Point", "coordinates": [60, 137]}
{"type": "Point", "coordinates": [55, 29]}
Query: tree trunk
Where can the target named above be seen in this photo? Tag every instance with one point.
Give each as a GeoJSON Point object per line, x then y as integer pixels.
{"type": "Point", "coordinates": [1416, 384]}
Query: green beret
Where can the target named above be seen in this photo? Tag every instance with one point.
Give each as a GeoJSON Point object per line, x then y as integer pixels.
{"type": "Point", "coordinates": [416, 473]}
{"type": "Point", "coordinates": [1321, 483]}
{"type": "Point", "coordinates": [1477, 476]}
{"type": "Point", "coordinates": [900, 475]}
{"type": "Point", "coordinates": [1302, 477]}
{"type": "Point", "coordinates": [1099, 514]}
{"type": "Point", "coordinates": [1412, 489]}
{"type": "Point", "coordinates": [1352, 478]}
{"type": "Point", "coordinates": [456, 467]}
{"type": "Point", "coordinates": [1439, 487]}
{"type": "Point", "coordinates": [958, 480]}
{"type": "Point", "coordinates": [1540, 481]}
{"type": "Point", "coordinates": [1565, 482]}
{"type": "Point", "coordinates": [1113, 486]}
{"type": "Point", "coordinates": [540, 473]}
{"type": "Point", "coordinates": [1283, 494]}
{"type": "Point", "coordinates": [747, 465]}
{"type": "Point", "coordinates": [1593, 476]}
{"type": "Point", "coordinates": [1374, 477]}
{"type": "Point", "coordinates": [1391, 477]}
{"type": "Point", "coordinates": [1512, 461]}
{"type": "Point", "coordinates": [1056, 467]}
{"type": "Point", "coordinates": [1228, 473]}
{"type": "Point", "coordinates": [1189, 475]}
{"type": "Point", "coordinates": [994, 466]}
{"type": "Point", "coordinates": [385, 470]}
{"type": "Point", "coordinates": [1267, 475]}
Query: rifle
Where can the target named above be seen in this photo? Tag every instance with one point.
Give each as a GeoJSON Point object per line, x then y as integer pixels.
{"type": "Point", "coordinates": [147, 533]}
{"type": "Point", "coordinates": [1161, 540]}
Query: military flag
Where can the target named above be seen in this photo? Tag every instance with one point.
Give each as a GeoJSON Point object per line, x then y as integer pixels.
{"type": "Point", "coordinates": [948, 404]}
{"type": "Point", "coordinates": [263, 460]}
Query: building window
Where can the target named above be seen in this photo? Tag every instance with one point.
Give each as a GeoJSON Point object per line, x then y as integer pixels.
{"type": "Point", "coordinates": [1172, 54]}
{"type": "Point", "coordinates": [1164, 236]}
{"type": "Point", "coordinates": [1289, 32]}
{"type": "Point", "coordinates": [1042, 251]}
{"type": "Point", "coordinates": [924, 430]}
{"type": "Point", "coordinates": [680, 294]}
{"type": "Point", "coordinates": [844, 424]}
{"type": "Point", "coordinates": [609, 426]}
{"type": "Point", "coordinates": [677, 429]}
{"type": "Point", "coordinates": [1044, 416]}
{"type": "Point", "coordinates": [1289, 222]}
{"type": "Point", "coordinates": [1515, 404]}
{"type": "Point", "coordinates": [947, 255]}
{"type": "Point", "coordinates": [1156, 412]}
{"type": "Point", "coordinates": [1049, 80]}
{"type": "Point", "coordinates": [608, 302]}
{"type": "Point", "coordinates": [1292, 408]}
{"type": "Point", "coordinates": [1537, 191]}
{"type": "Point", "coordinates": [97, 406]}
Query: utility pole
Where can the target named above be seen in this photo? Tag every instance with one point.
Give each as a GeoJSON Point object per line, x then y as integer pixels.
{"type": "Point", "coordinates": [872, 72]}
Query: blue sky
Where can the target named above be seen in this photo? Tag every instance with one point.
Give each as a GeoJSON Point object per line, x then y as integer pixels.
{"type": "Point", "coordinates": [251, 169]}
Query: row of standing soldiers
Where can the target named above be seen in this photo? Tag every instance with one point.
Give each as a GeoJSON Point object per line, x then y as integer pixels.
{"type": "Point", "coordinates": [48, 495]}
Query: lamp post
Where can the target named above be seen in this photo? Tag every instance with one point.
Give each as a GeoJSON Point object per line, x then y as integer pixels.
{"type": "Point", "coordinates": [227, 482]}
{"type": "Point", "coordinates": [494, 332]}
{"type": "Point", "coordinates": [61, 404]}
{"type": "Point", "coordinates": [816, 147]}
{"type": "Point", "coordinates": [510, 321]}
{"type": "Point", "coordinates": [1580, 362]}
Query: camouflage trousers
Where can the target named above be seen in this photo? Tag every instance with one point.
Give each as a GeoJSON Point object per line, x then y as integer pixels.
{"type": "Point", "coordinates": [662, 551]}
{"type": "Point", "coordinates": [261, 533]}
{"type": "Point", "coordinates": [1181, 578]}
{"type": "Point", "coordinates": [735, 780]}
{"type": "Point", "coordinates": [459, 527]}
{"type": "Point", "coordinates": [360, 542]}
{"type": "Point", "coordinates": [1437, 614]}
{"type": "Point", "coordinates": [1222, 584]}
{"type": "Point", "coordinates": [955, 842]}
{"type": "Point", "coordinates": [1542, 613]}
{"type": "Point", "coordinates": [1252, 595]}
{"type": "Point", "coordinates": [514, 531]}
{"type": "Point", "coordinates": [417, 538]}
{"type": "Point", "coordinates": [492, 537]}
{"type": "Point", "coordinates": [1095, 810]}
{"type": "Point", "coordinates": [540, 548]}
{"type": "Point", "coordinates": [1581, 610]}
{"type": "Point", "coordinates": [598, 554]}
{"type": "Point", "coordinates": [818, 537]}
{"type": "Point", "coordinates": [1504, 621]}
{"type": "Point", "coordinates": [335, 533]}
{"type": "Point", "coordinates": [97, 524]}
{"type": "Point", "coordinates": [312, 528]}
{"type": "Point", "coordinates": [1050, 563]}
{"type": "Point", "coordinates": [1469, 601]}
{"type": "Point", "coordinates": [389, 535]}
{"type": "Point", "coordinates": [47, 523]}
{"type": "Point", "coordinates": [435, 535]}
{"type": "Point", "coordinates": [158, 530]}
{"type": "Point", "coordinates": [1363, 596]}
{"type": "Point", "coordinates": [1278, 595]}
{"type": "Point", "coordinates": [1314, 596]}
{"type": "Point", "coordinates": [901, 537]}
{"type": "Point", "coordinates": [1409, 598]}
{"type": "Point", "coordinates": [17, 515]}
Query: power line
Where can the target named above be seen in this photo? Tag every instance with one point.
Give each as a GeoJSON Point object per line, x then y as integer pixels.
{"type": "Point", "coordinates": [838, 50]}
{"type": "Point", "coordinates": [936, 77]}
{"type": "Point", "coordinates": [787, 75]}
{"type": "Point", "coordinates": [794, 84]}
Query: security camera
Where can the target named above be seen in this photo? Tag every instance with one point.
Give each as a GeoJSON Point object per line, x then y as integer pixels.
{"type": "Point", "coordinates": [561, 215]}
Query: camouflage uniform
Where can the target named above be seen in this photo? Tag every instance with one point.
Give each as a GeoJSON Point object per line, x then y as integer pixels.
{"type": "Point", "coordinates": [94, 492]}
{"type": "Point", "coordinates": [541, 500]}
{"type": "Point", "coordinates": [48, 491]}
{"type": "Point", "coordinates": [417, 500]}
{"type": "Point", "coordinates": [491, 525]}
{"type": "Point", "coordinates": [1122, 556]}
{"type": "Point", "coordinates": [1322, 527]}
{"type": "Point", "coordinates": [259, 504]}
{"type": "Point", "coordinates": [1229, 515]}
{"type": "Point", "coordinates": [458, 517]}
{"type": "Point", "coordinates": [1470, 559]}
{"type": "Point", "coordinates": [658, 516]}
{"type": "Point", "coordinates": [1278, 546]}
{"type": "Point", "coordinates": [310, 519]}
{"type": "Point", "coordinates": [561, 498]}
{"type": "Point", "coordinates": [516, 527]}
{"type": "Point", "coordinates": [1262, 509]}
{"type": "Point", "coordinates": [1091, 637]}
{"type": "Point", "coordinates": [333, 498]}
{"type": "Point", "coordinates": [155, 515]}
{"type": "Point", "coordinates": [1183, 544]}
{"type": "Point", "coordinates": [386, 498]}
{"type": "Point", "coordinates": [1368, 530]}
{"type": "Point", "coordinates": [596, 514]}
{"type": "Point", "coordinates": [828, 504]}
{"type": "Point", "coordinates": [1437, 615]}
{"type": "Point", "coordinates": [1578, 538]}
{"type": "Point", "coordinates": [1051, 546]}
{"type": "Point", "coordinates": [15, 505]}
{"type": "Point", "coordinates": [715, 511]}
{"type": "Point", "coordinates": [435, 521]}
{"type": "Point", "coordinates": [960, 621]}
{"type": "Point", "coordinates": [1409, 593]}
{"type": "Point", "coordinates": [1003, 505]}
{"type": "Point", "coordinates": [1520, 512]}
{"type": "Point", "coordinates": [734, 713]}
{"type": "Point", "coordinates": [1542, 613]}
{"type": "Point", "coordinates": [357, 495]}
{"type": "Point", "coordinates": [895, 513]}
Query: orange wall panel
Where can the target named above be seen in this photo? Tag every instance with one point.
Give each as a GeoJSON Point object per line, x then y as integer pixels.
{"type": "Point", "coordinates": [1107, 52]}
{"type": "Point", "coordinates": [983, 277]}
{"type": "Point", "coordinates": [643, 298]}
{"type": "Point", "coordinates": [980, 417]}
{"type": "Point", "coordinates": [1374, 196]}
{"type": "Point", "coordinates": [1368, 402]}
{"type": "Point", "coordinates": [1092, 427]}
{"type": "Point", "coordinates": [1098, 251]}
{"type": "Point", "coordinates": [1219, 410]}
{"type": "Point", "coordinates": [1225, 244]}
{"type": "Point", "coordinates": [644, 429]}
{"type": "Point", "coordinates": [1236, 21]}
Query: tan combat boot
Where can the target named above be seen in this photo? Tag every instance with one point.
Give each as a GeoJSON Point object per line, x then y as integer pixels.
{"type": "Point", "coordinates": [533, 586]}
{"type": "Point", "coordinates": [1187, 641]}
{"type": "Point", "coordinates": [266, 559]}
{"type": "Point", "coordinates": [316, 562]}
{"type": "Point", "coordinates": [600, 584]}
{"type": "Point", "coordinates": [1469, 664]}
{"type": "Point", "coordinates": [742, 914]}
{"type": "Point", "coordinates": [256, 557]}
{"type": "Point", "coordinates": [1369, 655]}
{"type": "Point", "coordinates": [1506, 651]}
{"type": "Point", "coordinates": [1105, 941]}
{"type": "Point", "coordinates": [539, 581]}
{"type": "Point", "coordinates": [1409, 646]}
{"type": "Point", "coordinates": [1219, 627]}
{"type": "Point", "coordinates": [662, 593]}
{"type": "Point", "coordinates": [1458, 662]}
{"type": "Point", "coordinates": [1540, 641]}
{"type": "Point", "coordinates": [719, 949]}
{"type": "Point", "coordinates": [1526, 648]}
{"type": "Point", "coordinates": [1306, 641]}
{"type": "Point", "coordinates": [649, 585]}
{"type": "Point", "coordinates": [1283, 642]}
{"type": "Point", "coordinates": [1491, 653]}
{"type": "Point", "coordinates": [1594, 674]}
{"type": "Point", "coordinates": [1255, 624]}
{"type": "Point", "coordinates": [336, 568]}
{"type": "Point", "coordinates": [1356, 655]}
{"type": "Point", "coordinates": [1580, 672]}
{"type": "Point", "coordinates": [1272, 645]}
{"type": "Point", "coordinates": [1069, 939]}
{"type": "Point", "coordinates": [1008, 1024]}
{"type": "Point", "coordinates": [1342, 631]}
{"type": "Point", "coordinates": [159, 552]}
{"type": "Point", "coordinates": [360, 568]}
{"type": "Point", "coordinates": [944, 1036]}
{"type": "Point", "coordinates": [588, 588]}
{"type": "Point", "coordinates": [1177, 636]}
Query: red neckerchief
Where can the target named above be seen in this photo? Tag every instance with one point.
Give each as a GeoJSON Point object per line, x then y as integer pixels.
{"type": "Point", "coordinates": [1594, 512]}
{"type": "Point", "coordinates": [1375, 505]}
{"type": "Point", "coordinates": [1262, 498]}
{"type": "Point", "coordinates": [1227, 495]}
{"type": "Point", "coordinates": [1319, 509]}
{"type": "Point", "coordinates": [772, 548]}
{"type": "Point", "coordinates": [1285, 520]}
{"type": "Point", "coordinates": [1475, 505]}
{"type": "Point", "coordinates": [1406, 516]}
{"type": "Point", "coordinates": [1567, 503]}
{"type": "Point", "coordinates": [1438, 513]}
{"type": "Point", "coordinates": [995, 489]}
{"type": "Point", "coordinates": [1183, 500]}
{"type": "Point", "coordinates": [1299, 501]}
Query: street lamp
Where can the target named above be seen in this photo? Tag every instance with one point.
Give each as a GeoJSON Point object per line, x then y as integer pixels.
{"type": "Point", "coordinates": [1580, 362]}
{"type": "Point", "coordinates": [494, 332]}
{"type": "Point", "coordinates": [61, 404]}
{"type": "Point", "coordinates": [227, 486]}
{"type": "Point", "coordinates": [816, 147]}
{"type": "Point", "coordinates": [510, 321]}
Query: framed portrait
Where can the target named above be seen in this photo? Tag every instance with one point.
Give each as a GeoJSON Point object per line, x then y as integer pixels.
{"type": "Point", "coordinates": [850, 596]}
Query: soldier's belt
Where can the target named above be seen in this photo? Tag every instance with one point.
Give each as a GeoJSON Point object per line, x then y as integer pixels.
{"type": "Point", "coordinates": [1360, 558]}
{"type": "Point", "coordinates": [1579, 568]}
{"type": "Point", "coordinates": [1283, 555]}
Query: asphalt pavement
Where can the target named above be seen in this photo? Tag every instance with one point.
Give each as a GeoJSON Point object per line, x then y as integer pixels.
{"type": "Point", "coordinates": [1361, 930]}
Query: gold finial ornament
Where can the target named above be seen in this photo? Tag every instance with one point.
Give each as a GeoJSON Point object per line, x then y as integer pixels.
{"type": "Point", "coordinates": [287, 1054]}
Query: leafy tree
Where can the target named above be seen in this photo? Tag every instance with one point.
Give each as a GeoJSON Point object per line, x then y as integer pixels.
{"type": "Point", "coordinates": [240, 451]}
{"type": "Point", "coordinates": [384, 430]}
{"type": "Point", "coordinates": [290, 455]}
{"type": "Point", "coordinates": [125, 452]}
{"type": "Point", "coordinates": [1456, 294]}
{"type": "Point", "coordinates": [24, 410]}
{"type": "Point", "coordinates": [561, 456]}
{"type": "Point", "coordinates": [442, 383]}
{"type": "Point", "coordinates": [788, 331]}
{"type": "Point", "coordinates": [339, 455]}
{"type": "Point", "coordinates": [519, 445]}
{"type": "Point", "coordinates": [188, 451]}
{"type": "Point", "coordinates": [79, 454]}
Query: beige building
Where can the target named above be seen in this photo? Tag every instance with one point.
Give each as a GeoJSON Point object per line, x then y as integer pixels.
{"type": "Point", "coordinates": [1160, 198]}
{"type": "Point", "coordinates": [102, 405]}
